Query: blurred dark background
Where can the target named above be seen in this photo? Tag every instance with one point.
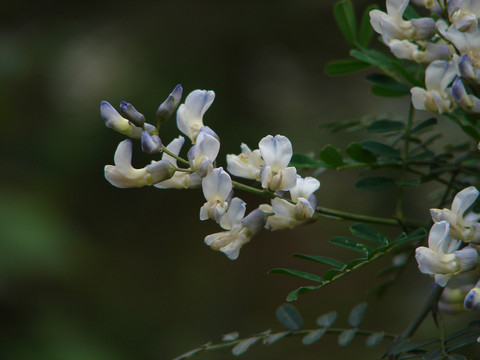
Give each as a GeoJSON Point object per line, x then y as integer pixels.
{"type": "Point", "coordinates": [89, 271]}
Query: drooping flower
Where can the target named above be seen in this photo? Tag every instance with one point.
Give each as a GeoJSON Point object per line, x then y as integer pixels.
{"type": "Point", "coordinates": [461, 227]}
{"type": "Point", "coordinates": [124, 175]}
{"type": "Point", "coordinates": [288, 215]}
{"type": "Point", "coordinates": [242, 230]}
{"type": "Point", "coordinates": [441, 259]}
{"type": "Point", "coordinates": [464, 14]}
{"type": "Point", "coordinates": [391, 25]}
{"type": "Point", "coordinates": [435, 97]}
{"type": "Point", "coordinates": [429, 52]}
{"type": "Point", "coordinates": [180, 180]}
{"type": "Point", "coordinates": [217, 188]}
{"type": "Point", "coordinates": [246, 165]}
{"type": "Point", "coordinates": [277, 152]}
{"type": "Point", "coordinates": [204, 152]}
{"type": "Point", "coordinates": [467, 102]}
{"type": "Point", "coordinates": [190, 114]}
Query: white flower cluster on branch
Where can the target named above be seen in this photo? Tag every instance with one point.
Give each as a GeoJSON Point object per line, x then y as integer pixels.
{"type": "Point", "coordinates": [268, 165]}
{"type": "Point", "coordinates": [449, 45]}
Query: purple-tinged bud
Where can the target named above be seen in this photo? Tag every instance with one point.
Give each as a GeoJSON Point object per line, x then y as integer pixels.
{"type": "Point", "coordinates": [465, 101]}
{"type": "Point", "coordinates": [150, 143]}
{"type": "Point", "coordinates": [160, 170]}
{"type": "Point", "coordinates": [466, 69]}
{"type": "Point", "coordinates": [130, 113]}
{"type": "Point", "coordinates": [472, 300]}
{"type": "Point", "coordinates": [117, 122]}
{"type": "Point", "coordinates": [169, 105]}
{"type": "Point", "coordinates": [255, 221]}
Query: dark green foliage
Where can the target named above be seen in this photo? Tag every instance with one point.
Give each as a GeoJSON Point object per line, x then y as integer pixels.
{"type": "Point", "coordinates": [356, 315]}
{"type": "Point", "coordinates": [346, 337]}
{"type": "Point", "coordinates": [382, 126]}
{"type": "Point", "coordinates": [322, 260]}
{"type": "Point", "coordinates": [343, 67]}
{"type": "Point", "coordinates": [301, 161]}
{"type": "Point", "coordinates": [366, 31]}
{"type": "Point", "coordinates": [351, 244]}
{"type": "Point", "coordinates": [327, 320]}
{"type": "Point", "coordinates": [374, 339]}
{"type": "Point", "coordinates": [313, 336]}
{"type": "Point", "coordinates": [345, 16]}
{"type": "Point", "coordinates": [358, 153]}
{"type": "Point", "coordinates": [331, 156]}
{"type": "Point", "coordinates": [297, 273]}
{"type": "Point", "coordinates": [289, 317]}
{"type": "Point", "coordinates": [244, 345]}
{"type": "Point", "coordinates": [375, 183]}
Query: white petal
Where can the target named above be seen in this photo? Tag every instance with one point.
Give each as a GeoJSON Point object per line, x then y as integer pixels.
{"type": "Point", "coordinates": [439, 75]}
{"type": "Point", "coordinates": [396, 8]}
{"type": "Point", "coordinates": [289, 178]}
{"type": "Point", "coordinates": [217, 185]}
{"type": "Point", "coordinates": [123, 156]}
{"type": "Point", "coordinates": [304, 187]}
{"type": "Point", "coordinates": [283, 208]}
{"type": "Point", "coordinates": [198, 102]}
{"type": "Point", "coordinates": [467, 258]}
{"type": "Point", "coordinates": [207, 146]}
{"type": "Point", "coordinates": [276, 151]}
{"type": "Point", "coordinates": [464, 199]}
{"type": "Point", "coordinates": [234, 215]}
{"type": "Point", "coordinates": [174, 147]}
{"type": "Point", "coordinates": [438, 236]}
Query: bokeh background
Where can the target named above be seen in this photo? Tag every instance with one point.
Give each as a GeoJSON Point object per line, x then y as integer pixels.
{"type": "Point", "coordinates": [89, 271]}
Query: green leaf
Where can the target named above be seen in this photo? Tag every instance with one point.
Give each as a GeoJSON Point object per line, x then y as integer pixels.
{"type": "Point", "coordinates": [327, 320]}
{"type": "Point", "coordinates": [289, 317]}
{"type": "Point", "coordinates": [230, 336]}
{"type": "Point", "coordinates": [297, 273]}
{"type": "Point", "coordinates": [293, 295]}
{"type": "Point", "coordinates": [358, 153]}
{"type": "Point", "coordinates": [424, 125]}
{"type": "Point", "coordinates": [313, 336]}
{"type": "Point", "coordinates": [374, 339]}
{"type": "Point", "coordinates": [366, 30]}
{"type": "Point", "coordinates": [471, 131]}
{"type": "Point", "coordinates": [351, 244]}
{"type": "Point", "coordinates": [330, 274]}
{"type": "Point", "coordinates": [386, 82]}
{"type": "Point", "coordinates": [331, 156]}
{"type": "Point", "coordinates": [386, 92]}
{"type": "Point", "coordinates": [345, 16]}
{"type": "Point", "coordinates": [342, 67]}
{"type": "Point", "coordinates": [373, 57]}
{"type": "Point", "coordinates": [301, 161]}
{"type": "Point", "coordinates": [352, 263]}
{"type": "Point", "coordinates": [382, 126]}
{"type": "Point", "coordinates": [411, 77]}
{"type": "Point", "coordinates": [375, 183]}
{"type": "Point", "coordinates": [356, 315]}
{"type": "Point", "coordinates": [189, 354]}
{"type": "Point", "coordinates": [243, 346]}
{"type": "Point", "coordinates": [322, 260]}
{"type": "Point", "coordinates": [270, 339]}
{"type": "Point", "coordinates": [415, 235]}
{"type": "Point", "coordinates": [368, 233]}
{"type": "Point", "coordinates": [346, 337]}
{"type": "Point", "coordinates": [380, 149]}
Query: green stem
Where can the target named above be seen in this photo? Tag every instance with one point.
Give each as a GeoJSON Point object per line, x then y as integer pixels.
{"type": "Point", "coordinates": [178, 158]}
{"type": "Point", "coordinates": [291, 333]}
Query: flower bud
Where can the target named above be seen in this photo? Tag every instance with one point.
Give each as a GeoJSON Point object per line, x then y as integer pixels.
{"type": "Point", "coordinates": [472, 300]}
{"type": "Point", "coordinates": [169, 105]}
{"type": "Point", "coordinates": [465, 101]}
{"type": "Point", "coordinates": [150, 143]}
{"type": "Point", "coordinates": [160, 171]}
{"type": "Point", "coordinates": [115, 121]}
{"type": "Point", "coordinates": [129, 112]}
{"type": "Point", "coordinates": [255, 221]}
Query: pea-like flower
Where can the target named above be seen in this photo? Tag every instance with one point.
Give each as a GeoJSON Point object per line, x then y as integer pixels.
{"type": "Point", "coordinates": [463, 228]}
{"type": "Point", "coordinates": [391, 25]}
{"type": "Point", "coordinates": [277, 152]}
{"type": "Point", "coordinates": [246, 165]}
{"type": "Point", "coordinates": [289, 215]}
{"type": "Point", "coordinates": [204, 152]}
{"type": "Point", "coordinates": [463, 14]}
{"type": "Point", "coordinates": [404, 49]}
{"type": "Point", "coordinates": [467, 102]}
{"type": "Point", "coordinates": [217, 188]}
{"type": "Point", "coordinates": [441, 259]}
{"type": "Point", "coordinates": [435, 97]}
{"type": "Point", "coordinates": [180, 180]}
{"type": "Point", "coordinates": [190, 114]}
{"type": "Point", "coordinates": [124, 175]}
{"type": "Point", "coordinates": [242, 230]}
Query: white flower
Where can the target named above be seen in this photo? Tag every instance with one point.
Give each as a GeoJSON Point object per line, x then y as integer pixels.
{"type": "Point", "coordinates": [432, 5]}
{"type": "Point", "coordinates": [288, 215]}
{"type": "Point", "coordinates": [204, 152]}
{"type": "Point", "coordinates": [180, 180]}
{"type": "Point", "coordinates": [392, 26]}
{"type": "Point", "coordinates": [277, 152]}
{"type": "Point", "coordinates": [435, 97]}
{"type": "Point", "coordinates": [246, 165]}
{"type": "Point", "coordinates": [234, 214]}
{"type": "Point", "coordinates": [441, 258]}
{"type": "Point", "coordinates": [124, 175]}
{"type": "Point", "coordinates": [190, 114]}
{"type": "Point", "coordinates": [242, 230]}
{"type": "Point", "coordinates": [217, 187]}
{"type": "Point", "coordinates": [404, 49]}
{"type": "Point", "coordinates": [463, 14]}
{"type": "Point", "coordinates": [467, 102]}
{"type": "Point", "coordinates": [465, 42]}
{"type": "Point", "coordinates": [118, 123]}
{"type": "Point", "coordinates": [460, 228]}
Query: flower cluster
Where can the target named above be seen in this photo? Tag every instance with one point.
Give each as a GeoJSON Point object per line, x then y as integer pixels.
{"type": "Point", "coordinates": [452, 241]}
{"type": "Point", "coordinates": [449, 45]}
{"type": "Point", "coordinates": [268, 165]}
